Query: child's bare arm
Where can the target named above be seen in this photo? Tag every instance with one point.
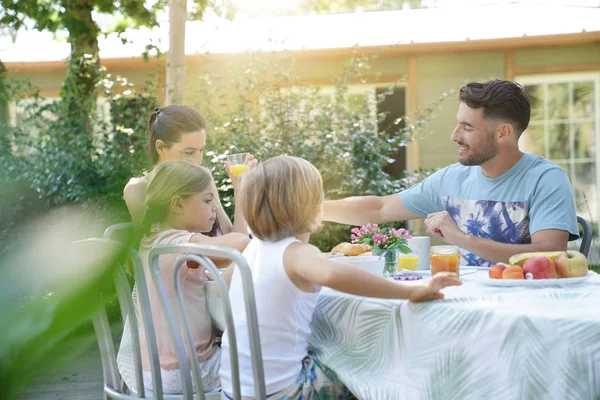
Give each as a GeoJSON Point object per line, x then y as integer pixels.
{"type": "Point", "coordinates": [233, 240]}
{"type": "Point", "coordinates": [306, 261]}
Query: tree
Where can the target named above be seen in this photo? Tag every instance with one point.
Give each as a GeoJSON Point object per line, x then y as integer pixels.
{"type": "Point", "coordinates": [77, 18]}
{"type": "Point", "coordinates": [176, 54]}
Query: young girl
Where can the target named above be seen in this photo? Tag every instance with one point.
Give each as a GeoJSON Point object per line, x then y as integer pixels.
{"type": "Point", "coordinates": [180, 203]}
{"type": "Point", "coordinates": [176, 133]}
{"type": "Point", "coordinates": [281, 200]}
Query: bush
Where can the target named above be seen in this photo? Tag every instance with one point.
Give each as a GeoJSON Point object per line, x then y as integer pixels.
{"type": "Point", "coordinates": [55, 155]}
{"type": "Point", "coordinates": [337, 133]}
{"type": "Point", "coordinates": [57, 158]}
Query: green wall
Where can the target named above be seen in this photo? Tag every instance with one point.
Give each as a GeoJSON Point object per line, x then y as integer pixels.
{"type": "Point", "coordinates": [557, 56]}
{"type": "Point", "coordinates": [437, 74]}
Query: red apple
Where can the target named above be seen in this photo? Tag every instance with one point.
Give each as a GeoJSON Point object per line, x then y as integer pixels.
{"type": "Point", "coordinates": [571, 264]}
{"type": "Point", "coordinates": [540, 267]}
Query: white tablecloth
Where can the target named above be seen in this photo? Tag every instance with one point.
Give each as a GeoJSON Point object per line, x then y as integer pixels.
{"type": "Point", "coordinates": [479, 343]}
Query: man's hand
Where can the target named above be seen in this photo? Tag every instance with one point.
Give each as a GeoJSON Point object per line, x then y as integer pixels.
{"type": "Point", "coordinates": [442, 225]}
{"type": "Point", "coordinates": [431, 290]}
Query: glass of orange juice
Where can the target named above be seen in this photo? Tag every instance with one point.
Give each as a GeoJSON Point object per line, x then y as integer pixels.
{"type": "Point", "coordinates": [444, 258]}
{"type": "Point", "coordinates": [408, 261]}
{"type": "Point", "coordinates": [237, 163]}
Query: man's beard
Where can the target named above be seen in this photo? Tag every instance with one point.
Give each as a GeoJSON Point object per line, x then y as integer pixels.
{"type": "Point", "coordinates": [488, 152]}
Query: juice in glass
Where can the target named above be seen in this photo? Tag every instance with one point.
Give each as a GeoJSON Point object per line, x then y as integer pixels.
{"type": "Point", "coordinates": [444, 258]}
{"type": "Point", "coordinates": [238, 170]}
{"type": "Point", "coordinates": [408, 261]}
{"type": "Point", "coordinates": [237, 163]}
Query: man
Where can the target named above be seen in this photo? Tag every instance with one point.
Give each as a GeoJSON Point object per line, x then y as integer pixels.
{"type": "Point", "coordinates": [497, 201]}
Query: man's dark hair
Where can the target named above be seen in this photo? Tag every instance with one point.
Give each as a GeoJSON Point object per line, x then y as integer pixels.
{"type": "Point", "coordinates": [500, 99]}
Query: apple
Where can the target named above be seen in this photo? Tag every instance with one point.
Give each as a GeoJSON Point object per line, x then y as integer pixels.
{"type": "Point", "coordinates": [495, 271]}
{"type": "Point", "coordinates": [540, 267]}
{"type": "Point", "coordinates": [571, 264]}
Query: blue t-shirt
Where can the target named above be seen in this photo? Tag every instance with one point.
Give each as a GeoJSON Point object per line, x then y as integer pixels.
{"type": "Point", "coordinates": [535, 194]}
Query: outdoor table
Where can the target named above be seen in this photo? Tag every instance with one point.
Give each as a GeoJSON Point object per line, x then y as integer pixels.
{"type": "Point", "coordinates": [480, 342]}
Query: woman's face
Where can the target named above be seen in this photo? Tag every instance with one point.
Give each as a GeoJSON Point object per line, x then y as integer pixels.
{"type": "Point", "coordinates": [189, 148]}
{"type": "Point", "coordinates": [200, 211]}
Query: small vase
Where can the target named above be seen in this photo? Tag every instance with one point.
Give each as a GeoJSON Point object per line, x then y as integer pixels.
{"type": "Point", "coordinates": [391, 260]}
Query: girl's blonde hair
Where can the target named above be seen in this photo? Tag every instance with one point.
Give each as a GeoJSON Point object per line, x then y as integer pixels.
{"type": "Point", "coordinates": [170, 179]}
{"type": "Point", "coordinates": [282, 197]}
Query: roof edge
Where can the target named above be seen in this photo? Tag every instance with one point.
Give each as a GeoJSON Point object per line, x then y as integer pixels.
{"type": "Point", "coordinates": [386, 51]}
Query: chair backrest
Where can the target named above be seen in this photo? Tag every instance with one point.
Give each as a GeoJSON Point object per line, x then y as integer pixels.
{"type": "Point", "coordinates": [112, 378]}
{"type": "Point", "coordinates": [586, 237]}
{"type": "Point", "coordinates": [200, 254]}
{"type": "Point", "coordinates": [122, 233]}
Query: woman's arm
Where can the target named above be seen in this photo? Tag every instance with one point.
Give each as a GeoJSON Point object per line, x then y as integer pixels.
{"type": "Point", "coordinates": [239, 223]}
{"type": "Point", "coordinates": [134, 195]}
{"type": "Point", "coordinates": [306, 262]}
{"type": "Point", "coordinates": [233, 240]}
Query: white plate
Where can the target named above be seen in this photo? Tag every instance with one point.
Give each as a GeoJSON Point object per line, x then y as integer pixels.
{"type": "Point", "coordinates": [534, 282]}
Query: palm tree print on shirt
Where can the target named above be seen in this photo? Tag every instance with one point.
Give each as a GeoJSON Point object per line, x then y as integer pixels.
{"type": "Point", "coordinates": [501, 221]}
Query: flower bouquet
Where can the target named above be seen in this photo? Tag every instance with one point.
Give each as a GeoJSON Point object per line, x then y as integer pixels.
{"type": "Point", "coordinates": [383, 241]}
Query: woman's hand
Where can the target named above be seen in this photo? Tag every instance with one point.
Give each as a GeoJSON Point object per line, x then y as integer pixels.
{"type": "Point", "coordinates": [235, 180]}
{"type": "Point", "coordinates": [431, 290]}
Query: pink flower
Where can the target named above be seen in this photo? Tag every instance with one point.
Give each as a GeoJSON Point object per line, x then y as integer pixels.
{"type": "Point", "coordinates": [400, 233]}
{"type": "Point", "coordinates": [380, 239]}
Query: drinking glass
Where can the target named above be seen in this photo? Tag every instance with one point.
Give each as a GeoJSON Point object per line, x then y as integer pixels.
{"type": "Point", "coordinates": [409, 261]}
{"type": "Point", "coordinates": [444, 258]}
{"type": "Point", "coordinates": [237, 164]}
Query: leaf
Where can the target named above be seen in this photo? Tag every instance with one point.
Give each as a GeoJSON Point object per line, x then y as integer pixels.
{"type": "Point", "coordinates": [459, 377]}
{"type": "Point", "coordinates": [580, 373]}
{"type": "Point", "coordinates": [526, 358]}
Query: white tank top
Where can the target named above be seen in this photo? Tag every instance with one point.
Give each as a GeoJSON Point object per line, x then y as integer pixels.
{"type": "Point", "coordinates": [284, 315]}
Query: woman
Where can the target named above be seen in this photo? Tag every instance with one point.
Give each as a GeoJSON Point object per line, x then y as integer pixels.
{"type": "Point", "coordinates": [177, 132]}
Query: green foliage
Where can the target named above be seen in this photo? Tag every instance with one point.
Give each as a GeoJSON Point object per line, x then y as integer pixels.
{"type": "Point", "coordinates": [41, 316]}
{"type": "Point", "coordinates": [336, 131]}
{"type": "Point", "coordinates": [58, 155]}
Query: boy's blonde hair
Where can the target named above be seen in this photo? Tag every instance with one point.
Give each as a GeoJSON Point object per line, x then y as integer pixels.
{"type": "Point", "coordinates": [170, 179]}
{"type": "Point", "coordinates": [282, 197]}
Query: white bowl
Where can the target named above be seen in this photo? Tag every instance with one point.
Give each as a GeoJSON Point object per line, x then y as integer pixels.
{"type": "Point", "coordinates": [372, 264]}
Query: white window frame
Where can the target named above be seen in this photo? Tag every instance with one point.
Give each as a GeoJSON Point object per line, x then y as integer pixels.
{"type": "Point", "coordinates": [571, 78]}
{"type": "Point", "coordinates": [371, 90]}
{"type": "Point", "coordinates": [102, 108]}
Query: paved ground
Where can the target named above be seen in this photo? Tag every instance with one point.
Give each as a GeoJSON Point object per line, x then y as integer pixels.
{"type": "Point", "coordinates": [80, 379]}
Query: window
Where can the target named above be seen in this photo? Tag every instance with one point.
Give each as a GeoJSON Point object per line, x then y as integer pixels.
{"type": "Point", "coordinates": [565, 128]}
{"type": "Point", "coordinates": [392, 103]}
{"type": "Point", "coordinates": [19, 113]}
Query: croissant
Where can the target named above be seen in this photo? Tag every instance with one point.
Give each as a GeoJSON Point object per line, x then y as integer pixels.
{"type": "Point", "coordinates": [351, 249]}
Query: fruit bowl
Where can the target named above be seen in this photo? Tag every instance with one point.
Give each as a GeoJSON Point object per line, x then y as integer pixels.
{"type": "Point", "coordinates": [535, 282]}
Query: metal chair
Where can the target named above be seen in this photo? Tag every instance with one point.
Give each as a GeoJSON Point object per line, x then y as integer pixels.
{"type": "Point", "coordinates": [113, 379]}
{"type": "Point", "coordinates": [113, 385]}
{"type": "Point", "coordinates": [130, 352]}
{"type": "Point", "coordinates": [200, 254]}
{"type": "Point", "coordinates": [586, 237]}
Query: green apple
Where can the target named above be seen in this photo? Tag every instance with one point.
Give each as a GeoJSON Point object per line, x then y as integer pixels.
{"type": "Point", "coordinates": [571, 264]}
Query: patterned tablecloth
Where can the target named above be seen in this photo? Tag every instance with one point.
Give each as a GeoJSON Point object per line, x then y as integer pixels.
{"type": "Point", "coordinates": [480, 342]}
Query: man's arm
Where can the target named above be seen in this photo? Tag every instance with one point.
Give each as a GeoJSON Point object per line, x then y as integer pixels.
{"type": "Point", "coordinates": [546, 240]}
{"type": "Point", "coordinates": [442, 225]}
{"type": "Point", "coordinates": [364, 209]}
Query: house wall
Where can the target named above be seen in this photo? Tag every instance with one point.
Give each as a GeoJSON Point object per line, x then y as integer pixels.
{"type": "Point", "coordinates": [437, 74]}
{"type": "Point", "coordinates": [563, 56]}
{"type": "Point", "coordinates": [432, 75]}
